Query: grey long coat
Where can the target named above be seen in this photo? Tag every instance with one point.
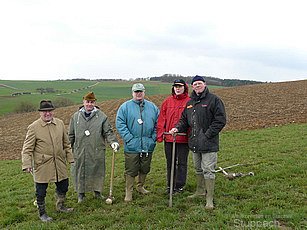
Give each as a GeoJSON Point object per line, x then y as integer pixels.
{"type": "Point", "coordinates": [88, 137]}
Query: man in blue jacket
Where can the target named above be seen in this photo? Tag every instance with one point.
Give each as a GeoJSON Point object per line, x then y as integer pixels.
{"type": "Point", "coordinates": [136, 123]}
{"type": "Point", "coordinates": [205, 116]}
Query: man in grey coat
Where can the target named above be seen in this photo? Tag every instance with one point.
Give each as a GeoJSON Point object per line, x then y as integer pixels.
{"type": "Point", "coordinates": [89, 131]}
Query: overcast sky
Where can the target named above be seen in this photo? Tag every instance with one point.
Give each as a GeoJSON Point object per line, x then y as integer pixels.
{"type": "Point", "coordinates": [264, 40]}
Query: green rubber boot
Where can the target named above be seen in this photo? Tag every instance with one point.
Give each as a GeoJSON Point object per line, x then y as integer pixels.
{"type": "Point", "coordinates": [129, 188]}
{"type": "Point", "coordinates": [140, 185]}
{"type": "Point", "coordinates": [209, 183]}
{"type": "Point", "coordinates": [200, 188]}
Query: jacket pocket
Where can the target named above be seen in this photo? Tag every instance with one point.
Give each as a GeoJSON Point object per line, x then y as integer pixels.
{"type": "Point", "coordinates": [151, 145]}
{"type": "Point", "coordinates": [39, 160]}
{"type": "Point", "coordinates": [99, 153]}
{"type": "Point", "coordinates": [203, 144]}
{"type": "Point", "coordinates": [133, 144]}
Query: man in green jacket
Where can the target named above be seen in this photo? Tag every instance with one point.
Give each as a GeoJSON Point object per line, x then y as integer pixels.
{"type": "Point", "coordinates": [89, 130]}
{"type": "Point", "coordinates": [45, 151]}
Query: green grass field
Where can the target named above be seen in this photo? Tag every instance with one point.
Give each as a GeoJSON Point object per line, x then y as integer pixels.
{"type": "Point", "coordinates": [275, 198]}
{"type": "Point", "coordinates": [73, 90]}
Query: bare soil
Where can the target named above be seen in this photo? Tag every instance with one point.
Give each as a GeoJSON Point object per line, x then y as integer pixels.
{"type": "Point", "coordinates": [247, 107]}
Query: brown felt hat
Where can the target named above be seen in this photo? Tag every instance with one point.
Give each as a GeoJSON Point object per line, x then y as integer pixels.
{"type": "Point", "coordinates": [46, 105]}
{"type": "Point", "coordinates": [89, 97]}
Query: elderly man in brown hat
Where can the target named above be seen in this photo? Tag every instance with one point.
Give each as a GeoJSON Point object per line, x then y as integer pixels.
{"type": "Point", "coordinates": [89, 132]}
{"type": "Point", "coordinates": [45, 153]}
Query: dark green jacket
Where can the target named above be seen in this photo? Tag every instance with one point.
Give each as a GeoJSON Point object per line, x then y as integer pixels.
{"type": "Point", "coordinates": [88, 138]}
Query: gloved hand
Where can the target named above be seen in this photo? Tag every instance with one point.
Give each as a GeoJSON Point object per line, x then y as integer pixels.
{"type": "Point", "coordinates": [115, 146]}
{"type": "Point", "coordinates": [173, 130]}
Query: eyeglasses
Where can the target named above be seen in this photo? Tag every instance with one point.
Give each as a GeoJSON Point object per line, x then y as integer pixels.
{"type": "Point", "coordinates": [138, 91]}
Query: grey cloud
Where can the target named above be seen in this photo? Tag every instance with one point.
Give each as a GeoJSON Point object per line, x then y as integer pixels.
{"type": "Point", "coordinates": [201, 46]}
{"type": "Point", "coordinates": [271, 57]}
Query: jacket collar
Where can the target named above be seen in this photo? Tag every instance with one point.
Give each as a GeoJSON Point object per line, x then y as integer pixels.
{"type": "Point", "coordinates": [196, 97]}
{"type": "Point", "coordinates": [43, 123]}
{"type": "Point", "coordinates": [139, 102]}
{"type": "Point", "coordinates": [180, 96]}
{"type": "Point", "coordinates": [82, 109]}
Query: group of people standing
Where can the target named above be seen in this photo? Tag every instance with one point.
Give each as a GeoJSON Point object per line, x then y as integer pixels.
{"type": "Point", "coordinates": [48, 147]}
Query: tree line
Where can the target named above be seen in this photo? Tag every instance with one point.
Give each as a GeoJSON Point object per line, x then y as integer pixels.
{"type": "Point", "coordinates": [210, 80]}
{"type": "Point", "coordinates": [169, 78]}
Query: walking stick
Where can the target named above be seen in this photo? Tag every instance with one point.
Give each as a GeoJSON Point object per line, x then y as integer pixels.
{"type": "Point", "coordinates": [110, 198]}
{"type": "Point", "coordinates": [33, 175]}
{"type": "Point", "coordinates": [170, 203]}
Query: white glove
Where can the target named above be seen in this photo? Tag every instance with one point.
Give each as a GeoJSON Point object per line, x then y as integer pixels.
{"type": "Point", "coordinates": [115, 146]}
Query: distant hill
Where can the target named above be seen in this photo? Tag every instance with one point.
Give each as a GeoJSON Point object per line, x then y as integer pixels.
{"type": "Point", "coordinates": [210, 80]}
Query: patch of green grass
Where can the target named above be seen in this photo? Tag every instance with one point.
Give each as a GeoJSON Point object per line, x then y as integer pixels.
{"type": "Point", "coordinates": [274, 198]}
{"type": "Point", "coordinates": [72, 90]}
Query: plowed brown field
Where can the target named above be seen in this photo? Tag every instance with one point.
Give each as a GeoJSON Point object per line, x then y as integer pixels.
{"type": "Point", "coordinates": [247, 107]}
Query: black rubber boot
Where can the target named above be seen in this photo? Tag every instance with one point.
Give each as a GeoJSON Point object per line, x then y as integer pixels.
{"type": "Point", "coordinates": [60, 203]}
{"type": "Point", "coordinates": [81, 197]}
{"type": "Point", "coordinates": [98, 195]}
{"type": "Point", "coordinates": [42, 211]}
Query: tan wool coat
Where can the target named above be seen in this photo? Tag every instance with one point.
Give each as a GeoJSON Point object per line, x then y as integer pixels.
{"type": "Point", "coordinates": [47, 149]}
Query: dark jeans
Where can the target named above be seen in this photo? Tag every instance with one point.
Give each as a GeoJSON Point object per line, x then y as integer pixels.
{"type": "Point", "coordinates": [181, 163]}
{"type": "Point", "coordinates": [41, 189]}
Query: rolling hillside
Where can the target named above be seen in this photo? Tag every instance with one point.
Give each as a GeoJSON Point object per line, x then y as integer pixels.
{"type": "Point", "coordinates": [247, 107]}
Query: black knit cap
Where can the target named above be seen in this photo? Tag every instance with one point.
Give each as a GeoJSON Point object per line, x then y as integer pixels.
{"type": "Point", "coordinates": [197, 78]}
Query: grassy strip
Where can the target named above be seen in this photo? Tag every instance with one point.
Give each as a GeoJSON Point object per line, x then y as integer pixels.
{"type": "Point", "coordinates": [274, 198]}
{"type": "Point", "coordinates": [72, 90]}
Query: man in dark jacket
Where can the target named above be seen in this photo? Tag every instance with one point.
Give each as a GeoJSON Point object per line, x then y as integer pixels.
{"type": "Point", "coordinates": [205, 116]}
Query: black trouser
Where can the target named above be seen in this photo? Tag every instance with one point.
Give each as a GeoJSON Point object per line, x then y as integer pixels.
{"type": "Point", "coordinates": [41, 189]}
{"type": "Point", "coordinates": [181, 163]}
